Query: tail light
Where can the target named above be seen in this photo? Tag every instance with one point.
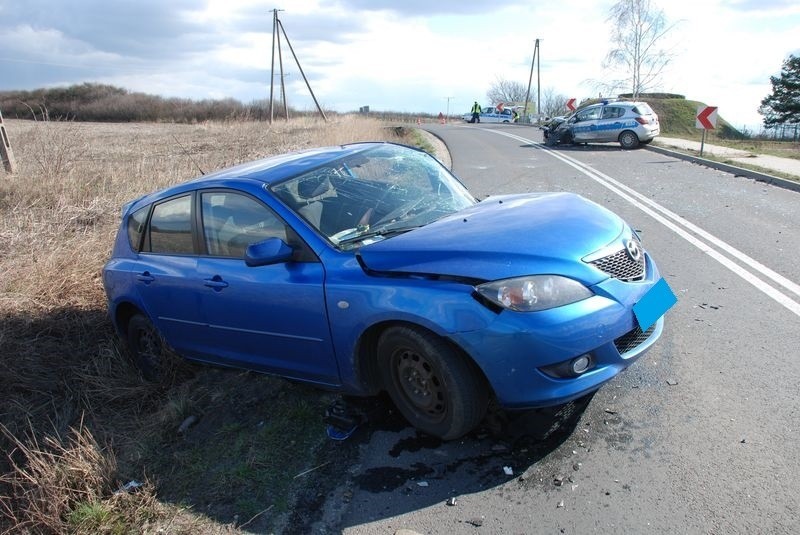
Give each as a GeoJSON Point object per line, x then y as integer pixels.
{"type": "Point", "coordinates": [642, 120]}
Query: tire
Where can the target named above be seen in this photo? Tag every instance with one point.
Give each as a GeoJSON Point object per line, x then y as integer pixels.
{"type": "Point", "coordinates": [147, 348]}
{"type": "Point", "coordinates": [431, 384]}
{"type": "Point", "coordinates": [628, 140]}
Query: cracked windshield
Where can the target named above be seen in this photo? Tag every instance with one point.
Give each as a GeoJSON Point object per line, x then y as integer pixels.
{"type": "Point", "coordinates": [374, 194]}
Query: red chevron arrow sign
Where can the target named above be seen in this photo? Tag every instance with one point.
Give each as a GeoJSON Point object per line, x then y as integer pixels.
{"type": "Point", "coordinates": [571, 104]}
{"type": "Point", "coordinates": [706, 117]}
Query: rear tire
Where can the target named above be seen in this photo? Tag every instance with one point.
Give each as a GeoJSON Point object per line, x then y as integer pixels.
{"type": "Point", "coordinates": [433, 386]}
{"type": "Point", "coordinates": [147, 348]}
{"type": "Point", "coordinates": [628, 140]}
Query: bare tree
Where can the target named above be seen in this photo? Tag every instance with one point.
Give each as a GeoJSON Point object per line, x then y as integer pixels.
{"type": "Point", "coordinates": [553, 103]}
{"type": "Point", "coordinates": [506, 91]}
{"type": "Point", "coordinates": [638, 28]}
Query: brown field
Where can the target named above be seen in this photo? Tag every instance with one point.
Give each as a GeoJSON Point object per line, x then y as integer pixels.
{"type": "Point", "coordinates": [76, 420]}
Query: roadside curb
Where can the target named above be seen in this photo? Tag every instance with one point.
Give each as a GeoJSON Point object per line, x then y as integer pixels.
{"type": "Point", "coordinates": [738, 171]}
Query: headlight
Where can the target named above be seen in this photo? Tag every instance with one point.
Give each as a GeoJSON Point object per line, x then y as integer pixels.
{"type": "Point", "coordinates": [535, 292]}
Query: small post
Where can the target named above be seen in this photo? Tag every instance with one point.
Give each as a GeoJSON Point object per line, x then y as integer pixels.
{"type": "Point", "coordinates": [702, 142]}
{"type": "Point", "coordinates": [6, 154]}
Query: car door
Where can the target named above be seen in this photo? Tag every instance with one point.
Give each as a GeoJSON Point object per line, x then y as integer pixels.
{"type": "Point", "coordinates": [584, 128]}
{"type": "Point", "coordinates": [272, 317]}
{"type": "Point", "coordinates": [489, 115]}
{"type": "Point", "coordinates": [165, 276]}
{"type": "Point", "coordinates": [610, 124]}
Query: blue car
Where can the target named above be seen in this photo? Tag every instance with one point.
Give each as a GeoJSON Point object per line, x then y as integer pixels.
{"type": "Point", "coordinates": [369, 267]}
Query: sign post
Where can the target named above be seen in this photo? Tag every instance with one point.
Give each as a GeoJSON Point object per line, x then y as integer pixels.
{"type": "Point", "coordinates": [5, 148]}
{"type": "Point", "coordinates": [707, 120]}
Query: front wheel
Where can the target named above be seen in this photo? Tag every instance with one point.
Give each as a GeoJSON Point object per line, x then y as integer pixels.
{"type": "Point", "coordinates": [628, 140]}
{"type": "Point", "coordinates": [433, 386]}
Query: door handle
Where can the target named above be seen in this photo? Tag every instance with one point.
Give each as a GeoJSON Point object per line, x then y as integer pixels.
{"type": "Point", "coordinates": [145, 277]}
{"type": "Point", "coordinates": [216, 282]}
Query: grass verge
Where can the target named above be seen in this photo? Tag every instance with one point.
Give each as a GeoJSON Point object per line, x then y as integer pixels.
{"type": "Point", "coordinates": [89, 447]}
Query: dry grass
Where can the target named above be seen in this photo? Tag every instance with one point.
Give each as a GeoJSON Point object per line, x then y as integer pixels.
{"type": "Point", "coordinates": [68, 393]}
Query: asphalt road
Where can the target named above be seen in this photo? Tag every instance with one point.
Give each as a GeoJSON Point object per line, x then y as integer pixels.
{"type": "Point", "coordinates": [697, 437]}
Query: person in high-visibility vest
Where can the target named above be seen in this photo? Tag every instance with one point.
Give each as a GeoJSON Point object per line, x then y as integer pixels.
{"type": "Point", "coordinates": [476, 113]}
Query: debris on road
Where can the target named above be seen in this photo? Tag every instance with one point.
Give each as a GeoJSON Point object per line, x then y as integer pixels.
{"type": "Point", "coordinates": [476, 521]}
{"type": "Point", "coordinates": [311, 469]}
{"type": "Point", "coordinates": [508, 470]}
{"type": "Point", "coordinates": [130, 486]}
{"type": "Point", "coordinates": [611, 411]}
{"type": "Point", "coordinates": [451, 501]}
{"type": "Point", "coordinates": [187, 423]}
{"type": "Point", "coordinates": [422, 483]}
{"type": "Point", "coordinates": [560, 504]}
{"type": "Point", "coordinates": [672, 382]}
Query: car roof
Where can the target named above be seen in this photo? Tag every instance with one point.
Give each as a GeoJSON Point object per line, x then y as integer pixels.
{"type": "Point", "coordinates": [274, 169]}
{"type": "Point", "coordinates": [270, 170]}
{"type": "Point", "coordinates": [626, 103]}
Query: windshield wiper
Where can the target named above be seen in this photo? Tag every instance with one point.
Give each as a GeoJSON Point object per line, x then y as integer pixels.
{"type": "Point", "coordinates": [383, 231]}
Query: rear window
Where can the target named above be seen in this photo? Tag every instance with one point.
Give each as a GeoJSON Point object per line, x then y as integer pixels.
{"type": "Point", "coordinates": [136, 226]}
{"type": "Point", "coordinates": [613, 112]}
{"type": "Point", "coordinates": [642, 109]}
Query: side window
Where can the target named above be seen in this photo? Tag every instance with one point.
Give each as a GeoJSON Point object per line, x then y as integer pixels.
{"type": "Point", "coordinates": [589, 115]}
{"type": "Point", "coordinates": [612, 112]}
{"type": "Point", "coordinates": [171, 227]}
{"type": "Point", "coordinates": [232, 221]}
{"type": "Point", "coordinates": [136, 227]}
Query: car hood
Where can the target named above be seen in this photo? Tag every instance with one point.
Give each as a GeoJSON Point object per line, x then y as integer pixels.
{"type": "Point", "coordinates": [501, 237]}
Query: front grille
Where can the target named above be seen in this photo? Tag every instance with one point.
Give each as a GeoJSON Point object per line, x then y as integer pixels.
{"type": "Point", "coordinates": [621, 266]}
{"type": "Point", "coordinates": [631, 340]}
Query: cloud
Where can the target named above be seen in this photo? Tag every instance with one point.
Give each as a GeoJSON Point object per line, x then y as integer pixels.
{"type": "Point", "coordinates": [391, 55]}
{"type": "Point", "coordinates": [762, 6]}
{"type": "Point", "coordinates": [429, 8]}
{"type": "Point", "coordinates": [144, 29]}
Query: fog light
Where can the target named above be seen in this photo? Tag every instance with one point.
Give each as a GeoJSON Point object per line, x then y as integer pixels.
{"type": "Point", "coordinates": [581, 364]}
{"type": "Point", "coordinates": [569, 369]}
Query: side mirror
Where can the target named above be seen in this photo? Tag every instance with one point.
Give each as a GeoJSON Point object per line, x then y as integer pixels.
{"type": "Point", "coordinates": [266, 252]}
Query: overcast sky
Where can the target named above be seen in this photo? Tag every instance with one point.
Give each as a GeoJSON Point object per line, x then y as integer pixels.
{"type": "Point", "coordinates": [404, 55]}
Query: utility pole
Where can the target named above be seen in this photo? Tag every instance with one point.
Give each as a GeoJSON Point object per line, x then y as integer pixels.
{"type": "Point", "coordinates": [447, 115]}
{"type": "Point", "coordinates": [6, 154]}
{"type": "Point", "coordinates": [283, 83]}
{"type": "Point", "coordinates": [534, 60]}
{"type": "Point", "coordinates": [277, 30]}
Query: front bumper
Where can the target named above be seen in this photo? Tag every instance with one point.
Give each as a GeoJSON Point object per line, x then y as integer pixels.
{"type": "Point", "coordinates": [513, 349]}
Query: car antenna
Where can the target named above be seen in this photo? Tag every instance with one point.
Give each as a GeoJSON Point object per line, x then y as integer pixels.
{"type": "Point", "coordinates": [188, 154]}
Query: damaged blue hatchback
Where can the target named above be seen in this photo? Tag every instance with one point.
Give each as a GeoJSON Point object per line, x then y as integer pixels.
{"type": "Point", "coordinates": [369, 267]}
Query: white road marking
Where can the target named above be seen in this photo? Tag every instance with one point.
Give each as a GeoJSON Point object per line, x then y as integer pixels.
{"type": "Point", "coordinates": [674, 222]}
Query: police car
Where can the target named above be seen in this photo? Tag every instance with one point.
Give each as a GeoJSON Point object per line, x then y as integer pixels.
{"type": "Point", "coordinates": [492, 115]}
{"type": "Point", "coordinates": [631, 124]}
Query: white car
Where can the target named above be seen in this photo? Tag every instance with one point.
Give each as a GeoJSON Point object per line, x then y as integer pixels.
{"type": "Point", "coordinates": [491, 115]}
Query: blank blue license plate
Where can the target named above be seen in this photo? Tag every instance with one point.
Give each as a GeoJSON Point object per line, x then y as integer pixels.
{"type": "Point", "coordinates": [654, 304]}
